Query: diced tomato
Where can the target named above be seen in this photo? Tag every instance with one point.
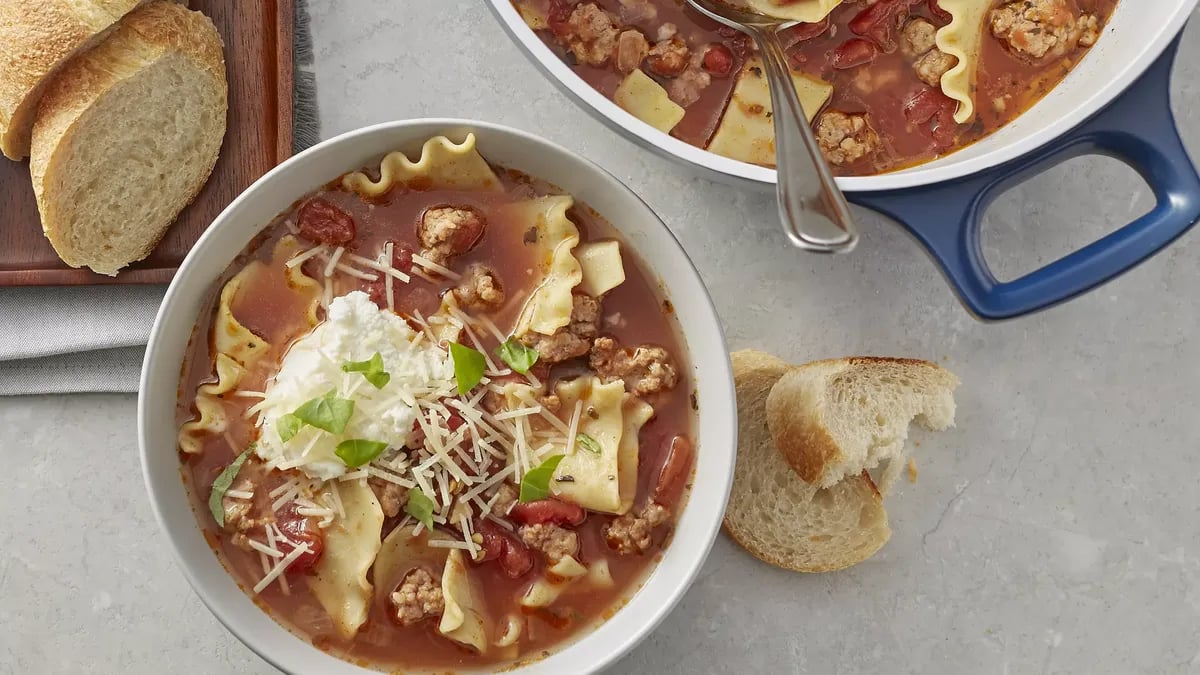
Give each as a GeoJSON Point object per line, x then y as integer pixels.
{"type": "Point", "coordinates": [921, 106]}
{"type": "Point", "coordinates": [881, 21]}
{"type": "Point", "coordinates": [402, 257]}
{"type": "Point", "coordinates": [299, 530]}
{"type": "Point", "coordinates": [675, 470]}
{"type": "Point", "coordinates": [455, 421]}
{"type": "Point", "coordinates": [718, 60]}
{"type": "Point", "coordinates": [931, 106]}
{"type": "Point", "coordinates": [739, 43]}
{"type": "Point", "coordinates": [557, 15]}
{"type": "Point", "coordinates": [513, 556]}
{"type": "Point", "coordinates": [549, 510]}
{"type": "Point", "coordinates": [854, 52]}
{"type": "Point", "coordinates": [322, 222]}
{"type": "Point", "coordinates": [938, 13]}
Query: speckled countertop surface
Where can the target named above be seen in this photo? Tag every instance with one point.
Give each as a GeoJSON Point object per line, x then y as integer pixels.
{"type": "Point", "coordinates": [1056, 530]}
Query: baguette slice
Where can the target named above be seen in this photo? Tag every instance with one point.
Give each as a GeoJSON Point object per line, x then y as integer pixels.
{"type": "Point", "coordinates": [37, 38]}
{"type": "Point", "coordinates": [778, 517]}
{"type": "Point", "coordinates": [126, 136]}
{"type": "Point", "coordinates": [838, 418]}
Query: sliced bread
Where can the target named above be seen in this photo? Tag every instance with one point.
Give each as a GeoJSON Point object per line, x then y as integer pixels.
{"type": "Point", "coordinates": [127, 134]}
{"type": "Point", "coordinates": [838, 418]}
{"type": "Point", "coordinates": [777, 516]}
{"type": "Point", "coordinates": [37, 38]}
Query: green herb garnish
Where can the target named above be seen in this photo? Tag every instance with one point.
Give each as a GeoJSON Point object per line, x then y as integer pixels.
{"type": "Point", "coordinates": [327, 412]}
{"type": "Point", "coordinates": [469, 365]}
{"type": "Point", "coordinates": [371, 369]}
{"type": "Point", "coordinates": [420, 507]}
{"type": "Point", "coordinates": [288, 426]}
{"type": "Point", "coordinates": [221, 485]}
{"type": "Point", "coordinates": [358, 451]}
{"type": "Point", "coordinates": [518, 357]}
{"type": "Point", "coordinates": [536, 483]}
{"type": "Point", "coordinates": [588, 443]}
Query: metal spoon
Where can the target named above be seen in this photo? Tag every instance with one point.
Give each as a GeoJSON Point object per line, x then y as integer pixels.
{"type": "Point", "coordinates": [813, 210]}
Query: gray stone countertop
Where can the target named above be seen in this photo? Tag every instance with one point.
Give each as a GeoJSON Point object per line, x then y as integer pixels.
{"type": "Point", "coordinates": [1055, 530]}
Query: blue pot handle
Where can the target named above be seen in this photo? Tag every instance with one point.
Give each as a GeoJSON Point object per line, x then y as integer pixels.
{"type": "Point", "coordinates": [1138, 129]}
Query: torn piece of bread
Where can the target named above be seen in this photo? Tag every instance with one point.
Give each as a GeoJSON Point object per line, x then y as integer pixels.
{"type": "Point", "coordinates": [127, 134]}
{"type": "Point", "coordinates": [776, 516]}
{"type": "Point", "coordinates": [37, 38]}
{"type": "Point", "coordinates": [838, 418]}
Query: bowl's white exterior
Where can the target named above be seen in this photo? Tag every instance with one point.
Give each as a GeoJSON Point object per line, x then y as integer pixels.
{"type": "Point", "coordinates": [274, 193]}
{"type": "Point", "coordinates": [1139, 31]}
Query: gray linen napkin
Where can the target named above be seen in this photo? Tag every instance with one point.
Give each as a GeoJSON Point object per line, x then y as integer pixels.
{"type": "Point", "coordinates": [68, 340]}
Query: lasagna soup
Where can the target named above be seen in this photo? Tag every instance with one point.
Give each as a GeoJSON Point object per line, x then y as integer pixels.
{"type": "Point", "coordinates": [886, 83]}
{"type": "Point", "coordinates": [437, 416]}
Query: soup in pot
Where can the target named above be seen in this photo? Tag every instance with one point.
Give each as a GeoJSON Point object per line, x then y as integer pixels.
{"type": "Point", "coordinates": [887, 84]}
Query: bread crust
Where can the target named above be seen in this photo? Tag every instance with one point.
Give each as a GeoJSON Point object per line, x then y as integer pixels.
{"type": "Point", "coordinates": [153, 31]}
{"type": "Point", "coordinates": [37, 39]}
{"type": "Point", "coordinates": [796, 408]}
{"type": "Point", "coordinates": [755, 374]}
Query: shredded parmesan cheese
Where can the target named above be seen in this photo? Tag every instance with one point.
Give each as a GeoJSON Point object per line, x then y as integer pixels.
{"type": "Point", "coordinates": [333, 261]}
{"type": "Point", "coordinates": [280, 567]}
{"type": "Point", "coordinates": [434, 267]}
{"type": "Point", "coordinates": [264, 549]}
{"type": "Point", "coordinates": [299, 259]}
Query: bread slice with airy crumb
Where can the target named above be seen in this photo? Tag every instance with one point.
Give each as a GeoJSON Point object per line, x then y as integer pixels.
{"type": "Point", "coordinates": [37, 38]}
{"type": "Point", "coordinates": [777, 516]}
{"type": "Point", "coordinates": [838, 418]}
{"type": "Point", "coordinates": [127, 134]}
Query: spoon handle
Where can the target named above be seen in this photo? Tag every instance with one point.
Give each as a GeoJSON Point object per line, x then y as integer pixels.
{"type": "Point", "coordinates": [813, 210]}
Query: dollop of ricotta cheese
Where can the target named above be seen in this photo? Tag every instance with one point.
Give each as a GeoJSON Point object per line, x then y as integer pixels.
{"type": "Point", "coordinates": [355, 330]}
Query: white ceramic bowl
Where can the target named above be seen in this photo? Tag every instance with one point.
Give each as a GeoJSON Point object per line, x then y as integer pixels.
{"type": "Point", "coordinates": [274, 193]}
{"type": "Point", "coordinates": [1137, 34]}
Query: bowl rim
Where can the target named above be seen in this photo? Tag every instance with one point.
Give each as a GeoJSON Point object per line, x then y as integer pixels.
{"type": "Point", "coordinates": [717, 396]}
{"type": "Point", "coordinates": [724, 168]}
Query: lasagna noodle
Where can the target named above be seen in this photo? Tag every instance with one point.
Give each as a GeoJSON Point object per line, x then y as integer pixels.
{"type": "Point", "coordinates": [604, 481]}
{"type": "Point", "coordinates": [402, 553]}
{"type": "Point", "coordinates": [443, 164]}
{"type": "Point", "coordinates": [602, 268]}
{"type": "Point", "coordinates": [544, 591]}
{"type": "Point", "coordinates": [645, 99]}
{"type": "Point", "coordinates": [747, 132]}
{"type": "Point", "coordinates": [549, 306]}
{"type": "Point", "coordinates": [962, 38]}
{"type": "Point", "coordinates": [236, 348]}
{"type": "Point", "coordinates": [465, 619]}
{"type": "Point", "coordinates": [339, 581]}
{"type": "Point", "coordinates": [805, 11]}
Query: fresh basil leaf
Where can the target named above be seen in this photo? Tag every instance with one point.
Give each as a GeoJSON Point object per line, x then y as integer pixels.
{"type": "Point", "coordinates": [535, 484]}
{"type": "Point", "coordinates": [288, 426]}
{"type": "Point", "coordinates": [371, 369]}
{"type": "Point", "coordinates": [358, 451]}
{"type": "Point", "coordinates": [221, 485]}
{"type": "Point", "coordinates": [469, 365]}
{"type": "Point", "coordinates": [420, 507]}
{"type": "Point", "coordinates": [588, 443]}
{"type": "Point", "coordinates": [328, 412]}
{"type": "Point", "coordinates": [518, 356]}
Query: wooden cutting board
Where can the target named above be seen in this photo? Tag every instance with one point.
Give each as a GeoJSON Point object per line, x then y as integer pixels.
{"type": "Point", "coordinates": [258, 38]}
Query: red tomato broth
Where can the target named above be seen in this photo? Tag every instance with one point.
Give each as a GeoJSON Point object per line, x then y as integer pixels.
{"type": "Point", "coordinates": [640, 317]}
{"type": "Point", "coordinates": [882, 84]}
